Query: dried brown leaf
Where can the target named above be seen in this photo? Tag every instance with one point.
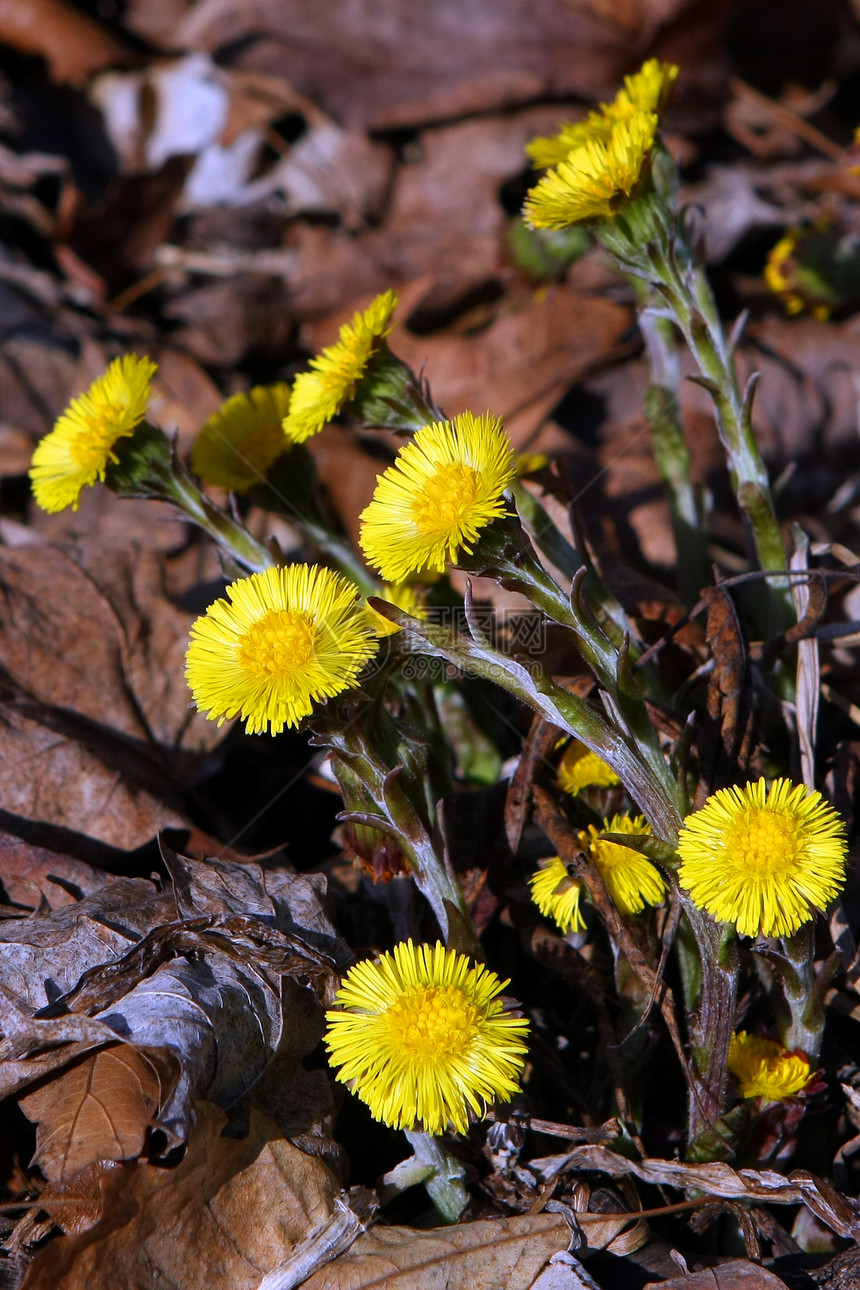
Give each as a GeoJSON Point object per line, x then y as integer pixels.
{"type": "Point", "coordinates": [840, 1213]}
{"type": "Point", "coordinates": [490, 1254]}
{"type": "Point", "coordinates": [376, 66]}
{"type": "Point", "coordinates": [228, 1214]}
{"type": "Point", "coordinates": [73, 44]}
{"type": "Point", "coordinates": [34, 876]}
{"type": "Point", "coordinates": [736, 1274]}
{"type": "Point", "coordinates": [100, 1108]}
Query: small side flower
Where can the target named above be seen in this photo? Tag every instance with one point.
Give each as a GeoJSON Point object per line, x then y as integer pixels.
{"type": "Point", "coordinates": [763, 1068]}
{"type": "Point", "coordinates": [763, 858]}
{"type": "Point", "coordinates": [631, 880]}
{"type": "Point", "coordinates": [80, 447]}
{"type": "Point", "coordinates": [320, 394]}
{"type": "Point", "coordinates": [445, 487]}
{"type": "Point", "coordinates": [403, 595]}
{"type": "Point", "coordinates": [557, 895]}
{"type": "Point", "coordinates": [424, 1039]}
{"type": "Point", "coordinates": [283, 640]}
{"type": "Point", "coordinates": [581, 768]}
{"type": "Point", "coordinates": [239, 442]}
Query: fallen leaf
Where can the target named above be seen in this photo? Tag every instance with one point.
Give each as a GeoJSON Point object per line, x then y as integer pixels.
{"type": "Point", "coordinates": [227, 1215]}
{"type": "Point", "coordinates": [735, 1274]}
{"type": "Point", "coordinates": [32, 876]}
{"type": "Point", "coordinates": [100, 1108]}
{"type": "Point", "coordinates": [490, 1254]}
{"type": "Point", "coordinates": [72, 44]}
{"type": "Point", "coordinates": [378, 66]}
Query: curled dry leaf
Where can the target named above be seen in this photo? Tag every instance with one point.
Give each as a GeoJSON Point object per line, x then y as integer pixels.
{"type": "Point", "coordinates": [840, 1213]}
{"type": "Point", "coordinates": [736, 1274]}
{"type": "Point", "coordinates": [490, 1254]}
{"type": "Point", "coordinates": [189, 1226]}
{"type": "Point", "coordinates": [100, 1108]}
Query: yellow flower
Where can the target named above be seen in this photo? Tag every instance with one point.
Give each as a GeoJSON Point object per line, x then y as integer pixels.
{"type": "Point", "coordinates": [775, 276]}
{"type": "Point", "coordinates": [596, 179]}
{"type": "Point", "coordinates": [239, 442]}
{"type": "Point", "coordinates": [763, 858]}
{"type": "Point", "coordinates": [631, 880]}
{"type": "Point", "coordinates": [581, 768]}
{"type": "Point", "coordinates": [80, 447]}
{"type": "Point", "coordinates": [403, 596]}
{"type": "Point", "coordinates": [285, 639]}
{"type": "Point", "coordinates": [647, 90]}
{"type": "Point", "coordinates": [423, 1038]}
{"type": "Point", "coordinates": [765, 1069]}
{"type": "Point", "coordinates": [446, 485]}
{"type": "Point", "coordinates": [557, 895]}
{"type": "Point", "coordinates": [320, 394]}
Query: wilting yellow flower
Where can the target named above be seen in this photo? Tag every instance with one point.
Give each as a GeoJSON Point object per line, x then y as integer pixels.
{"type": "Point", "coordinates": [423, 1038]}
{"type": "Point", "coordinates": [581, 768]}
{"type": "Point", "coordinates": [595, 180]}
{"type": "Point", "coordinates": [284, 640]}
{"type": "Point", "coordinates": [239, 442]}
{"type": "Point", "coordinates": [631, 880]}
{"type": "Point", "coordinates": [80, 447]}
{"type": "Point", "coordinates": [446, 485]}
{"type": "Point", "coordinates": [557, 895]}
{"type": "Point", "coordinates": [320, 394]}
{"type": "Point", "coordinates": [763, 858]}
{"type": "Point", "coordinates": [647, 90]}
{"type": "Point", "coordinates": [765, 1069]}
{"type": "Point", "coordinates": [403, 596]}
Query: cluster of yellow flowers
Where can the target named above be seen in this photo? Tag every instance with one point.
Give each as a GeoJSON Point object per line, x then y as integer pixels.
{"type": "Point", "coordinates": [599, 163]}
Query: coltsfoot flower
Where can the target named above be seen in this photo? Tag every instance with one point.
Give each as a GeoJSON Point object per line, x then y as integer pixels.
{"type": "Point", "coordinates": [284, 640]}
{"type": "Point", "coordinates": [423, 1038]}
{"type": "Point", "coordinates": [557, 895]}
{"type": "Point", "coordinates": [239, 442]}
{"type": "Point", "coordinates": [446, 485]}
{"type": "Point", "coordinates": [581, 768]}
{"type": "Point", "coordinates": [80, 447]}
{"type": "Point", "coordinates": [763, 1068]}
{"type": "Point", "coordinates": [403, 596]}
{"type": "Point", "coordinates": [631, 880]}
{"type": "Point", "coordinates": [647, 90]}
{"type": "Point", "coordinates": [320, 394]}
{"type": "Point", "coordinates": [763, 858]}
{"type": "Point", "coordinates": [595, 180]}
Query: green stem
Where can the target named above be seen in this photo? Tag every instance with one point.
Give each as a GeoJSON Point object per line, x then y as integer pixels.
{"type": "Point", "coordinates": [231, 537]}
{"type": "Point", "coordinates": [692, 303]}
{"type": "Point", "coordinates": [801, 1020]}
{"type": "Point", "coordinates": [444, 1178]}
{"type": "Point", "coordinates": [662, 407]}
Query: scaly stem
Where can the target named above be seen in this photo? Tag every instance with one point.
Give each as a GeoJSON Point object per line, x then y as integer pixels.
{"type": "Point", "coordinates": [662, 407]}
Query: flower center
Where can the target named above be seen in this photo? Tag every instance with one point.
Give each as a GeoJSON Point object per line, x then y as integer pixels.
{"type": "Point", "coordinates": [762, 841]}
{"type": "Point", "coordinates": [446, 499]}
{"type": "Point", "coordinates": [278, 645]}
{"type": "Point", "coordinates": [91, 446]}
{"type": "Point", "coordinates": [433, 1021]}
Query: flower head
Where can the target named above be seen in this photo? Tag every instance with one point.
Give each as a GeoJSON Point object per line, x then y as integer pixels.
{"type": "Point", "coordinates": [320, 394]}
{"type": "Point", "coordinates": [403, 596]}
{"type": "Point", "coordinates": [765, 1069]}
{"type": "Point", "coordinates": [763, 858]}
{"type": "Point", "coordinates": [446, 485]}
{"type": "Point", "coordinates": [557, 895]}
{"type": "Point", "coordinates": [423, 1038]}
{"type": "Point", "coordinates": [631, 880]}
{"type": "Point", "coordinates": [597, 178]}
{"type": "Point", "coordinates": [284, 640]}
{"type": "Point", "coordinates": [581, 768]}
{"type": "Point", "coordinates": [647, 90]}
{"type": "Point", "coordinates": [239, 442]}
{"type": "Point", "coordinates": [80, 447]}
